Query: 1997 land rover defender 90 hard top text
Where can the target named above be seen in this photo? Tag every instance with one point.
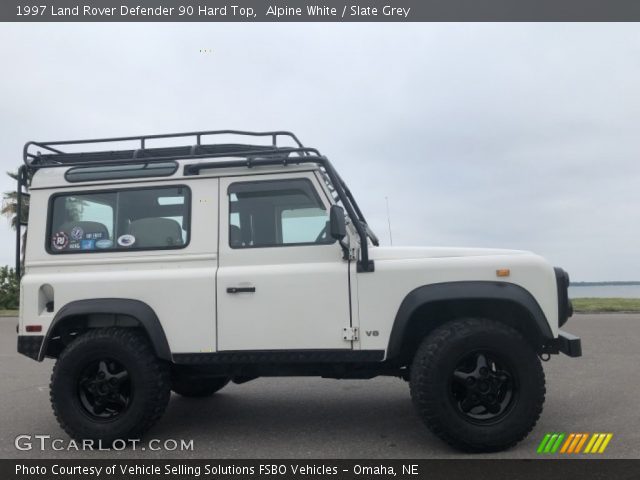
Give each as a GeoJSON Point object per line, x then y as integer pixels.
{"type": "Point", "coordinates": [182, 268]}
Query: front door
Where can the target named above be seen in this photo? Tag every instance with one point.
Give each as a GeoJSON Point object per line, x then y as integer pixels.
{"type": "Point", "coordinates": [282, 283]}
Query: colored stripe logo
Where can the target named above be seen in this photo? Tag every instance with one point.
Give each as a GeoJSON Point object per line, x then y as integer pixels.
{"type": "Point", "coordinates": [573, 443]}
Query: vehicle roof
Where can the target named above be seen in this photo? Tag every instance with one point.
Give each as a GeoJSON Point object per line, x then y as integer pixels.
{"type": "Point", "coordinates": [48, 162]}
{"type": "Point", "coordinates": [145, 158]}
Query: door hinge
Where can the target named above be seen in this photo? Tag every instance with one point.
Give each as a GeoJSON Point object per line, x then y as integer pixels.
{"type": "Point", "coordinates": [350, 334]}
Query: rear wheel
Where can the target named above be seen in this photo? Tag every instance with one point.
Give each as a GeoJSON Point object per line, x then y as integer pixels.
{"type": "Point", "coordinates": [478, 385]}
{"type": "Point", "coordinates": [198, 387]}
{"type": "Point", "coordinates": [109, 385]}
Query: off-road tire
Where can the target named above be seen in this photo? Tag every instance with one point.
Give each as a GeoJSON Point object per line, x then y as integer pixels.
{"type": "Point", "coordinates": [197, 388]}
{"type": "Point", "coordinates": [431, 384]}
{"type": "Point", "coordinates": [148, 376]}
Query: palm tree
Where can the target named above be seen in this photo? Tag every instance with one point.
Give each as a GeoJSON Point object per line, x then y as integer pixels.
{"type": "Point", "coordinates": [10, 210]}
{"type": "Point", "coordinates": [10, 205]}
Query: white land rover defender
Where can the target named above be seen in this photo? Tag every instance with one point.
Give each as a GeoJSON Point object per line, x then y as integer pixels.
{"type": "Point", "coordinates": [156, 268]}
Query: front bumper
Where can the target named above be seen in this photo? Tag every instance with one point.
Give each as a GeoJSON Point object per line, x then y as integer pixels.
{"type": "Point", "coordinates": [568, 344]}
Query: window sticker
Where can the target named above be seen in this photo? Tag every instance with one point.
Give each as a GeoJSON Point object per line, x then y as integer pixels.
{"type": "Point", "coordinates": [126, 240]}
{"type": "Point", "coordinates": [74, 245]}
{"type": "Point", "coordinates": [60, 241]}
{"type": "Point", "coordinates": [87, 244]}
{"type": "Point", "coordinates": [93, 236]}
{"type": "Point", "coordinates": [104, 243]}
{"type": "Point", "coordinates": [77, 233]}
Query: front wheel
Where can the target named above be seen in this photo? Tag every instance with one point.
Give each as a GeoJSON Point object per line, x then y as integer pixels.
{"type": "Point", "coordinates": [108, 385]}
{"type": "Point", "coordinates": [478, 385]}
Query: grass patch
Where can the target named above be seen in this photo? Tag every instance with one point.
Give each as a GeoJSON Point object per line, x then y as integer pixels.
{"type": "Point", "coordinates": [595, 305]}
{"type": "Point", "coordinates": [8, 313]}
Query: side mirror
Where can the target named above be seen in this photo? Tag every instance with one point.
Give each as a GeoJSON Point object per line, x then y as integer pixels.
{"type": "Point", "coordinates": [337, 226]}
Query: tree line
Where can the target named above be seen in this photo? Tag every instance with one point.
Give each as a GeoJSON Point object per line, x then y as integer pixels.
{"type": "Point", "coordinates": [9, 283]}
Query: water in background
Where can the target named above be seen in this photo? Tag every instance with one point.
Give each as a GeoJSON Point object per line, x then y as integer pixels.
{"type": "Point", "coordinates": [604, 291]}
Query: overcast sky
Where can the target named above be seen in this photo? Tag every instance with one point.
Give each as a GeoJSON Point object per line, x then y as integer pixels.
{"type": "Point", "coordinates": [498, 135]}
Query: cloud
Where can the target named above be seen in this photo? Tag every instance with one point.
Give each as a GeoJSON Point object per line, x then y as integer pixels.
{"type": "Point", "coordinates": [503, 135]}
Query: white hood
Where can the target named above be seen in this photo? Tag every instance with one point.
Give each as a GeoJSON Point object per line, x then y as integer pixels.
{"type": "Point", "coordinates": [405, 253]}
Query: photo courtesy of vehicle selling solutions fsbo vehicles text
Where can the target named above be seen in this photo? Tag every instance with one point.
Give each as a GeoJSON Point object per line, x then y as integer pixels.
{"type": "Point", "coordinates": [323, 240]}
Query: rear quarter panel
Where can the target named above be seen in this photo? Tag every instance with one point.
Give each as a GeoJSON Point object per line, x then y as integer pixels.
{"type": "Point", "coordinates": [179, 285]}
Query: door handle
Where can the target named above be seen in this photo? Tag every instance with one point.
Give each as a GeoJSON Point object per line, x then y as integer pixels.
{"type": "Point", "coordinates": [241, 289]}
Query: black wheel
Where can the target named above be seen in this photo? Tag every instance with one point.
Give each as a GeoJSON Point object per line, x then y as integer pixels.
{"type": "Point", "coordinates": [197, 387]}
{"type": "Point", "coordinates": [478, 385]}
{"type": "Point", "coordinates": [109, 385]}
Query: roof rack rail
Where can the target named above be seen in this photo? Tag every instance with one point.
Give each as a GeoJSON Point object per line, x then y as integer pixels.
{"type": "Point", "coordinates": [252, 155]}
{"type": "Point", "coordinates": [54, 155]}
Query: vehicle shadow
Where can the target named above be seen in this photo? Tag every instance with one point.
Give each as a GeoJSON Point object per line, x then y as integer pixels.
{"type": "Point", "coordinates": [302, 418]}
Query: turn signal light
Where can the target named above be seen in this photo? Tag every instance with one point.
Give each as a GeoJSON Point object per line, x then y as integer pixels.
{"type": "Point", "coordinates": [503, 272]}
{"type": "Point", "coordinates": [33, 328]}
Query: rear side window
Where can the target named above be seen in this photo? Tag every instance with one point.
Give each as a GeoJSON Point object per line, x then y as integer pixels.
{"type": "Point", "coordinates": [132, 219]}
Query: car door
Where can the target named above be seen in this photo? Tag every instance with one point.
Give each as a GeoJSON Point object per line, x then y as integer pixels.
{"type": "Point", "coordinates": [282, 283]}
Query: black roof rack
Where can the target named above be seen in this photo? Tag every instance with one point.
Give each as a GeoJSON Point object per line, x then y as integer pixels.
{"type": "Point", "coordinates": [50, 154]}
{"type": "Point", "coordinates": [251, 155]}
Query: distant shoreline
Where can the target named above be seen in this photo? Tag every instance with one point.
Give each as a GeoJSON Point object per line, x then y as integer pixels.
{"type": "Point", "coordinates": [602, 284]}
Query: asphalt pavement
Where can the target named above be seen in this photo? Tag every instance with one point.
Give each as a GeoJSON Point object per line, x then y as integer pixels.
{"type": "Point", "coordinates": [321, 418]}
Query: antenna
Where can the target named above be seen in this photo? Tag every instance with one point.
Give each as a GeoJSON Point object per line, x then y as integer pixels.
{"type": "Point", "coordinates": [389, 221]}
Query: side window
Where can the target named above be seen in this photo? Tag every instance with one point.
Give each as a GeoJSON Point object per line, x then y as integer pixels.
{"type": "Point", "coordinates": [276, 213]}
{"type": "Point", "coordinates": [145, 218]}
{"type": "Point", "coordinates": [302, 225]}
